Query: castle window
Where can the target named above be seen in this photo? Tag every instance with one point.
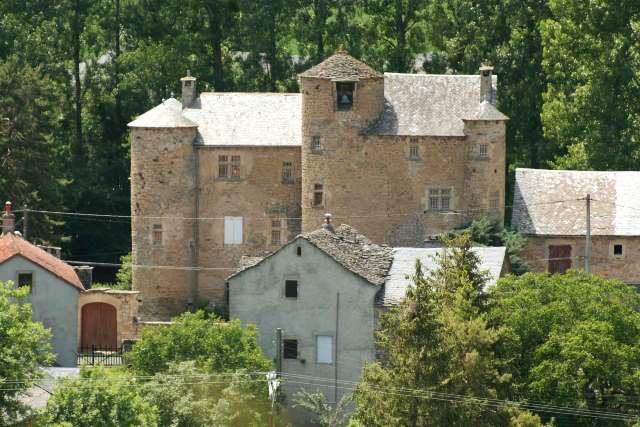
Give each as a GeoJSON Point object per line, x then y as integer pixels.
{"type": "Point", "coordinates": [494, 200]}
{"type": "Point", "coordinates": [223, 166]}
{"type": "Point", "coordinates": [287, 172]}
{"type": "Point", "coordinates": [232, 230]}
{"type": "Point", "coordinates": [235, 166]}
{"type": "Point", "coordinates": [414, 153]}
{"type": "Point", "coordinates": [276, 231]}
{"type": "Point", "coordinates": [318, 195]}
{"type": "Point", "coordinates": [483, 151]}
{"type": "Point", "coordinates": [344, 92]}
{"type": "Point", "coordinates": [290, 349]}
{"type": "Point", "coordinates": [316, 143]}
{"type": "Point", "coordinates": [439, 199]}
{"type": "Point", "coordinates": [156, 235]}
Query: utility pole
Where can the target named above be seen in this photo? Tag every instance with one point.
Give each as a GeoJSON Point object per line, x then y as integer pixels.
{"type": "Point", "coordinates": [25, 223]}
{"type": "Point", "coordinates": [335, 363]}
{"type": "Point", "coordinates": [587, 244]}
{"type": "Point", "coordinates": [279, 350]}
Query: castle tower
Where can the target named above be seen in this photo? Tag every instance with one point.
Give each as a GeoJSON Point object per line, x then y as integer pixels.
{"type": "Point", "coordinates": [484, 172]}
{"type": "Point", "coordinates": [163, 181]}
{"type": "Point", "coordinates": [340, 97]}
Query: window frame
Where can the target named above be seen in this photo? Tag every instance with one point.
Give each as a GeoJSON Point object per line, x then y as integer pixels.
{"type": "Point", "coordinates": [284, 348]}
{"type": "Point", "coordinates": [288, 282]}
{"type": "Point", "coordinates": [494, 199]}
{"type": "Point", "coordinates": [339, 89]}
{"type": "Point", "coordinates": [232, 239]}
{"type": "Point", "coordinates": [316, 143]}
{"type": "Point", "coordinates": [276, 227]}
{"type": "Point", "coordinates": [223, 165]}
{"type": "Point", "coordinates": [25, 272]}
{"type": "Point", "coordinates": [287, 172]}
{"type": "Point", "coordinates": [438, 197]}
{"type": "Point", "coordinates": [483, 151]}
{"type": "Point", "coordinates": [318, 189]}
{"type": "Point", "coordinates": [317, 349]}
{"type": "Point", "coordinates": [414, 152]}
{"type": "Point", "coordinates": [613, 250]}
{"type": "Point", "coordinates": [157, 230]}
{"type": "Point", "coordinates": [234, 166]}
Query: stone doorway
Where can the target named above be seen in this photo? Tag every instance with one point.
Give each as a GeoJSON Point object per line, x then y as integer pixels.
{"type": "Point", "coordinates": [99, 326]}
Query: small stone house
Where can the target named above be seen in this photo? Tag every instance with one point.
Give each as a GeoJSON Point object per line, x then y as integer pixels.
{"type": "Point", "coordinates": [550, 208]}
{"type": "Point", "coordinates": [216, 176]}
{"type": "Point", "coordinates": [324, 290]}
{"type": "Point", "coordinates": [54, 290]}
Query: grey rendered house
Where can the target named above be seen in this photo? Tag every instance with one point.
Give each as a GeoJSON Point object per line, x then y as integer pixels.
{"type": "Point", "coordinates": [324, 289]}
{"type": "Point", "coordinates": [55, 289]}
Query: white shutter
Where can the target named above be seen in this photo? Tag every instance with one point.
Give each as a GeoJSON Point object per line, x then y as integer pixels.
{"type": "Point", "coordinates": [237, 230]}
{"type": "Point", "coordinates": [324, 348]}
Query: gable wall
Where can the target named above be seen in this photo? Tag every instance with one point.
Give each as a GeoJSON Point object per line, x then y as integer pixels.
{"type": "Point", "coordinates": [54, 303]}
{"type": "Point", "coordinates": [257, 297]}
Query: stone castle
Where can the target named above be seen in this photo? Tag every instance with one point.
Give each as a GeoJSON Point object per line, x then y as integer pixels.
{"type": "Point", "coordinates": [219, 176]}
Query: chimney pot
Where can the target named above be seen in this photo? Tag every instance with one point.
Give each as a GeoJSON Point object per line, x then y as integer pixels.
{"type": "Point", "coordinates": [486, 83]}
{"type": "Point", "coordinates": [8, 219]}
{"type": "Point", "coordinates": [327, 223]}
{"type": "Point", "coordinates": [188, 90]}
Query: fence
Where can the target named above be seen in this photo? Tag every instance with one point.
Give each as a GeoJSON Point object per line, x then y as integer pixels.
{"type": "Point", "coordinates": [94, 355]}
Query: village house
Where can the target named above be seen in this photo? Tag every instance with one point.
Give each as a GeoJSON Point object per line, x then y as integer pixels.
{"type": "Point", "coordinates": [402, 157]}
{"type": "Point", "coordinates": [550, 208]}
{"type": "Point", "coordinates": [324, 290]}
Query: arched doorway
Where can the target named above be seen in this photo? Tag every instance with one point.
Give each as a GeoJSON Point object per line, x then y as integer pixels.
{"type": "Point", "coordinates": [99, 326]}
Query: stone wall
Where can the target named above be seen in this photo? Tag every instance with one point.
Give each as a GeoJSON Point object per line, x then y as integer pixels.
{"type": "Point", "coordinates": [126, 305]}
{"type": "Point", "coordinates": [372, 182]}
{"type": "Point", "coordinates": [603, 261]}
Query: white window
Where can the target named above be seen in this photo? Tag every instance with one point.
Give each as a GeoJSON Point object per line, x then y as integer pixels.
{"type": "Point", "coordinates": [324, 349]}
{"type": "Point", "coordinates": [232, 230]}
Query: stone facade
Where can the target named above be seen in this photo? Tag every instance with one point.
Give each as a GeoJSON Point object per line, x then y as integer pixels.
{"type": "Point", "coordinates": [604, 261]}
{"type": "Point", "coordinates": [376, 162]}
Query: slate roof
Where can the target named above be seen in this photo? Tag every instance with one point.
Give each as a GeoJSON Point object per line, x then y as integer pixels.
{"type": "Point", "coordinates": [354, 252]}
{"type": "Point", "coordinates": [546, 202]}
{"type": "Point", "coordinates": [492, 259]}
{"type": "Point", "coordinates": [341, 66]}
{"type": "Point", "coordinates": [247, 119]}
{"type": "Point", "coordinates": [431, 104]}
{"type": "Point", "coordinates": [12, 245]}
{"type": "Point", "coordinates": [168, 114]}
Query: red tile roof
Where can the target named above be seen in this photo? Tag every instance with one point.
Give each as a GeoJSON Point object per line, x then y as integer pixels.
{"type": "Point", "coordinates": [12, 245]}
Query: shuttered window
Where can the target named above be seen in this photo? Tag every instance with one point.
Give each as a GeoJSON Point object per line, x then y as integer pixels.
{"type": "Point", "coordinates": [232, 230]}
{"type": "Point", "coordinates": [324, 349]}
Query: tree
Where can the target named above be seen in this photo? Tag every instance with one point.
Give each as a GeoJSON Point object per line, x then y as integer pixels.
{"type": "Point", "coordinates": [328, 415]}
{"type": "Point", "coordinates": [592, 54]}
{"type": "Point", "coordinates": [484, 232]}
{"type": "Point", "coordinates": [24, 348]}
{"type": "Point", "coordinates": [98, 398]}
{"type": "Point", "coordinates": [436, 340]}
{"type": "Point", "coordinates": [570, 340]}
{"type": "Point", "coordinates": [215, 346]}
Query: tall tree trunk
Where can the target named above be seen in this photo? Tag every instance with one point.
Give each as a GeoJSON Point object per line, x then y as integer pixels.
{"type": "Point", "coordinates": [118, 108]}
{"type": "Point", "coordinates": [320, 12]}
{"type": "Point", "coordinates": [76, 76]}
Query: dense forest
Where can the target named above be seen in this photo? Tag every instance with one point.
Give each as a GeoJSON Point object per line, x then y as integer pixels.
{"type": "Point", "coordinates": [73, 73]}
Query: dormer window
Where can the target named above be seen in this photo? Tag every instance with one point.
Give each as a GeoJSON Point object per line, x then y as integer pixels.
{"type": "Point", "coordinates": [344, 93]}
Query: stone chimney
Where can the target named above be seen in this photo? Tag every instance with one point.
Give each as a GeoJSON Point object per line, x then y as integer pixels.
{"type": "Point", "coordinates": [56, 251]}
{"type": "Point", "coordinates": [486, 87]}
{"type": "Point", "coordinates": [8, 219]}
{"type": "Point", "coordinates": [327, 223]}
{"type": "Point", "coordinates": [188, 90]}
{"type": "Point", "coordinates": [85, 274]}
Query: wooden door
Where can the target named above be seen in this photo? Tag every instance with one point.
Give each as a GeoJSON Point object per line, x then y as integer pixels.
{"type": "Point", "coordinates": [559, 258]}
{"type": "Point", "coordinates": [99, 326]}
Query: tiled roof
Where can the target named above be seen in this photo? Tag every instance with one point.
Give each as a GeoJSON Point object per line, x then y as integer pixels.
{"type": "Point", "coordinates": [12, 245]}
{"type": "Point", "coordinates": [492, 259]}
{"type": "Point", "coordinates": [486, 111]}
{"type": "Point", "coordinates": [551, 202]}
{"type": "Point", "coordinates": [431, 104]}
{"type": "Point", "coordinates": [247, 119]}
{"type": "Point", "coordinates": [165, 115]}
{"type": "Point", "coordinates": [341, 66]}
{"type": "Point", "coordinates": [354, 252]}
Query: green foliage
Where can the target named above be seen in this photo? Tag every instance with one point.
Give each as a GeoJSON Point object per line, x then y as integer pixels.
{"type": "Point", "coordinates": [571, 340]}
{"type": "Point", "coordinates": [214, 345]}
{"type": "Point", "coordinates": [484, 232]}
{"type": "Point", "coordinates": [123, 276]}
{"type": "Point", "coordinates": [436, 340]}
{"type": "Point", "coordinates": [187, 396]}
{"type": "Point", "coordinates": [24, 348]}
{"type": "Point", "coordinates": [99, 398]}
{"type": "Point", "coordinates": [328, 415]}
